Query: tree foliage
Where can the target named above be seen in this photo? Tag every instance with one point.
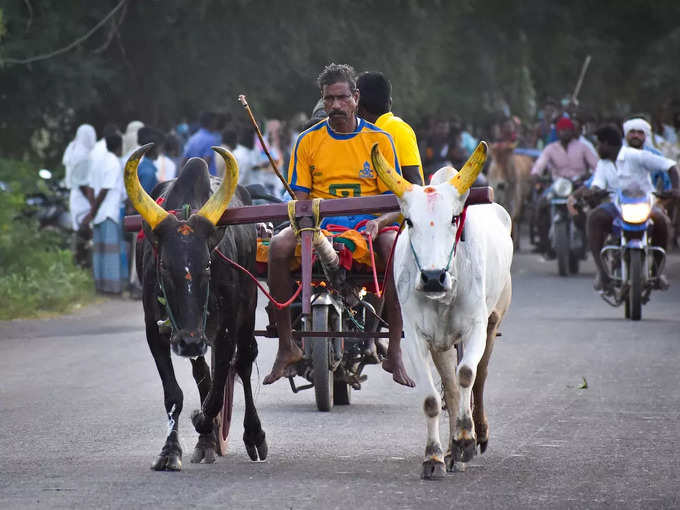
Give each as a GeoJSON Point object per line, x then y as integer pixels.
{"type": "Point", "coordinates": [163, 60]}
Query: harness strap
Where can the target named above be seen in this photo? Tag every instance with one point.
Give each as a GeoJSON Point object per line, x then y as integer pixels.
{"type": "Point", "coordinates": [459, 232]}
{"type": "Point", "coordinates": [316, 212]}
{"type": "Point", "coordinates": [380, 290]}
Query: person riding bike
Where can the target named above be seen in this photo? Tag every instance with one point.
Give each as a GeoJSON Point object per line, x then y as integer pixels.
{"type": "Point", "coordinates": [568, 157]}
{"type": "Point", "coordinates": [332, 160]}
{"type": "Point", "coordinates": [621, 168]}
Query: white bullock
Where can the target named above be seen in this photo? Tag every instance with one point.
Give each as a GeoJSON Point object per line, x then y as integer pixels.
{"type": "Point", "coordinates": [450, 292]}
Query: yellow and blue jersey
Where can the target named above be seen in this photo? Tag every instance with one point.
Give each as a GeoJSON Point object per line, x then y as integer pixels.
{"type": "Point", "coordinates": [327, 164]}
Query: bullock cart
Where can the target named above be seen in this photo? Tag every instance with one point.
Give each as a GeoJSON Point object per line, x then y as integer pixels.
{"type": "Point", "coordinates": [332, 324]}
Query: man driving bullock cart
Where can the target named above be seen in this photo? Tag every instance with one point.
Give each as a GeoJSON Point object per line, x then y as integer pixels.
{"type": "Point", "coordinates": [332, 159]}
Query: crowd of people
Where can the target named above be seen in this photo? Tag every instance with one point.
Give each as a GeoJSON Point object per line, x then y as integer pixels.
{"type": "Point", "coordinates": [562, 138]}
{"type": "Point", "coordinates": [94, 176]}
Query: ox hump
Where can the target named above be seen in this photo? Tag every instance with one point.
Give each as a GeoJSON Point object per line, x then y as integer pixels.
{"type": "Point", "coordinates": [444, 174]}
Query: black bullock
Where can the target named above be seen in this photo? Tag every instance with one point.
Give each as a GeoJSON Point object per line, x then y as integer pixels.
{"type": "Point", "coordinates": [193, 299]}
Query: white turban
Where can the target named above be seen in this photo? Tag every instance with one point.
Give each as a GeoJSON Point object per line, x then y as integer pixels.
{"type": "Point", "coordinates": [638, 125]}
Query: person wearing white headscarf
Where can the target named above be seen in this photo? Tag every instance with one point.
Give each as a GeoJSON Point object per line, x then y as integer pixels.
{"type": "Point", "coordinates": [75, 161]}
{"type": "Point", "coordinates": [130, 138]}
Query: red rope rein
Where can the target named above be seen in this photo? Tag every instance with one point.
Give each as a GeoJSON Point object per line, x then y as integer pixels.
{"type": "Point", "coordinates": [280, 306]}
{"type": "Point", "coordinates": [276, 303]}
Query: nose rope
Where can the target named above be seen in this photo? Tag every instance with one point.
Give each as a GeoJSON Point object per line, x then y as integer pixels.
{"type": "Point", "coordinates": [460, 220]}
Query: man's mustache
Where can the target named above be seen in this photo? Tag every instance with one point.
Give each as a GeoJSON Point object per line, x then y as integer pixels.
{"type": "Point", "coordinates": [336, 113]}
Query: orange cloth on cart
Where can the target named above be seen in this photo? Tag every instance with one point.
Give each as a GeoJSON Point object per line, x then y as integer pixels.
{"type": "Point", "coordinates": [355, 247]}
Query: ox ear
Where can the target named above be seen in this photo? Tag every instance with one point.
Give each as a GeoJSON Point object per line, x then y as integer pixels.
{"type": "Point", "coordinates": [467, 175]}
{"type": "Point", "coordinates": [214, 208]}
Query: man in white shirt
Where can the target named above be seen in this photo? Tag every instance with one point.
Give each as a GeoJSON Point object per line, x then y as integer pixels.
{"type": "Point", "coordinates": [231, 140]}
{"type": "Point", "coordinates": [105, 181]}
{"type": "Point", "coordinates": [622, 168]}
{"type": "Point", "coordinates": [166, 168]}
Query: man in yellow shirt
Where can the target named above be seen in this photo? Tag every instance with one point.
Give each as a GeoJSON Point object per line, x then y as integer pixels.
{"type": "Point", "coordinates": [375, 104]}
{"type": "Point", "coordinates": [332, 159]}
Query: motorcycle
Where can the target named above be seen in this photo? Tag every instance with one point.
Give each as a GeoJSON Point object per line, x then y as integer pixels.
{"type": "Point", "coordinates": [567, 238]}
{"type": "Point", "coordinates": [629, 255]}
{"type": "Point", "coordinates": [50, 208]}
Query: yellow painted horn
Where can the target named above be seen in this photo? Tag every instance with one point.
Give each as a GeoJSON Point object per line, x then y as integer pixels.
{"type": "Point", "coordinates": [152, 213]}
{"type": "Point", "coordinates": [394, 182]}
{"type": "Point", "coordinates": [214, 208]}
{"type": "Point", "coordinates": [467, 175]}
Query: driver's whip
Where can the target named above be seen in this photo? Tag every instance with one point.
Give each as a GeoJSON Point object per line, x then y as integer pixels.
{"type": "Point", "coordinates": [242, 100]}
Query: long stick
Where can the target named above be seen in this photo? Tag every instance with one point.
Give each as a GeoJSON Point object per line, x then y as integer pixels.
{"type": "Point", "coordinates": [242, 100]}
{"type": "Point", "coordinates": [577, 89]}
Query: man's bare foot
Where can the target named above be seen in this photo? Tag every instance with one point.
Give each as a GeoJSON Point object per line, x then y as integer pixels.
{"type": "Point", "coordinates": [283, 360]}
{"type": "Point", "coordinates": [394, 365]}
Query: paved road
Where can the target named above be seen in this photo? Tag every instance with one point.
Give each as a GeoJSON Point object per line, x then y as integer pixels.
{"type": "Point", "coordinates": [81, 417]}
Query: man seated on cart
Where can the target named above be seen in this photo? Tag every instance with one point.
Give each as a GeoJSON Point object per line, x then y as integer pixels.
{"type": "Point", "coordinates": [332, 159]}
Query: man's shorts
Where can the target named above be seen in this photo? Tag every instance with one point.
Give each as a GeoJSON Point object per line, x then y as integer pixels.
{"type": "Point", "coordinates": [349, 222]}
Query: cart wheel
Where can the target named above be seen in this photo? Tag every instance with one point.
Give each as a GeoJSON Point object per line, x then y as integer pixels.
{"type": "Point", "coordinates": [223, 418]}
{"type": "Point", "coordinates": [322, 375]}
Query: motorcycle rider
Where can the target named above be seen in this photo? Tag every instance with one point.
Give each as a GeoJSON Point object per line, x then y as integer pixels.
{"type": "Point", "coordinates": [568, 157]}
{"type": "Point", "coordinates": [622, 167]}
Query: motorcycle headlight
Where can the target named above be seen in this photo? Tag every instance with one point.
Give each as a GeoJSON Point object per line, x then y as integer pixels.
{"type": "Point", "coordinates": [636, 213]}
{"type": "Point", "coordinates": [562, 187]}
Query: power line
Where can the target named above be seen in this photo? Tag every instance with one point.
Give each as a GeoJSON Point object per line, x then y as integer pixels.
{"type": "Point", "coordinates": [70, 46]}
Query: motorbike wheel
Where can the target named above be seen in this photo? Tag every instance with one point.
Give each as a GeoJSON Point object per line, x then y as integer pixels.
{"type": "Point", "coordinates": [223, 418]}
{"type": "Point", "coordinates": [562, 248]}
{"type": "Point", "coordinates": [635, 291]}
{"type": "Point", "coordinates": [322, 376]}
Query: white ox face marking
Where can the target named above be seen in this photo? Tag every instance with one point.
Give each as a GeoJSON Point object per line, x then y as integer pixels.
{"type": "Point", "coordinates": [432, 215]}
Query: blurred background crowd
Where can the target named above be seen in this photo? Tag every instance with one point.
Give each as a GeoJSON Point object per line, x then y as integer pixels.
{"type": "Point", "coordinates": [144, 71]}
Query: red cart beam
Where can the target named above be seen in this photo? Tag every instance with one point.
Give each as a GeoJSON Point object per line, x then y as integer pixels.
{"type": "Point", "coordinates": [335, 207]}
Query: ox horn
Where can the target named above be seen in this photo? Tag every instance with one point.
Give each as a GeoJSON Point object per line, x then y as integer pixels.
{"type": "Point", "coordinates": [388, 175]}
{"type": "Point", "coordinates": [152, 213]}
{"type": "Point", "coordinates": [214, 208]}
{"type": "Point", "coordinates": [467, 175]}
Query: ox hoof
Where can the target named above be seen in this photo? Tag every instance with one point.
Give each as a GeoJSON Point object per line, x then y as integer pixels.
{"type": "Point", "coordinates": [257, 450]}
{"type": "Point", "coordinates": [463, 450]}
{"type": "Point", "coordinates": [204, 452]}
{"type": "Point", "coordinates": [483, 445]}
{"type": "Point", "coordinates": [433, 470]}
{"type": "Point", "coordinates": [169, 460]}
{"type": "Point", "coordinates": [202, 424]}
{"type": "Point", "coordinates": [452, 466]}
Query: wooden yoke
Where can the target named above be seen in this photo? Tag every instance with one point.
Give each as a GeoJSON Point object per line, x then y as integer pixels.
{"type": "Point", "coordinates": [277, 213]}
